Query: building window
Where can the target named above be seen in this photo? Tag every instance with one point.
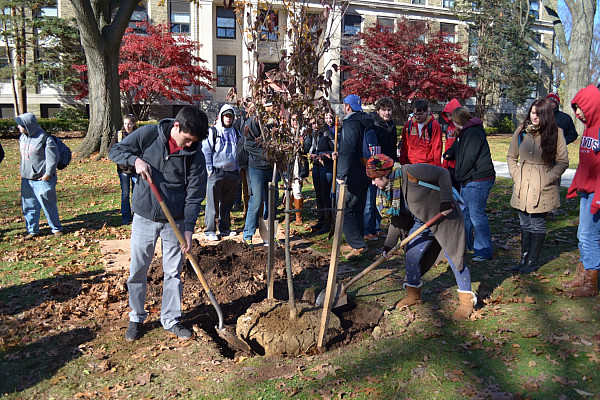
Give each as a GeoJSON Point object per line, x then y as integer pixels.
{"type": "Point", "coordinates": [352, 24]}
{"type": "Point", "coordinates": [180, 16]}
{"type": "Point", "coordinates": [49, 110]}
{"type": "Point", "coordinates": [139, 15]}
{"type": "Point", "coordinates": [269, 26]}
{"type": "Point", "coordinates": [534, 8]}
{"type": "Point", "coordinates": [418, 2]}
{"type": "Point", "coordinates": [473, 43]}
{"type": "Point", "coordinates": [448, 3]}
{"type": "Point", "coordinates": [225, 23]}
{"type": "Point", "coordinates": [449, 31]}
{"type": "Point", "coordinates": [387, 23]}
{"type": "Point", "coordinates": [225, 71]}
{"type": "Point", "coordinates": [49, 11]}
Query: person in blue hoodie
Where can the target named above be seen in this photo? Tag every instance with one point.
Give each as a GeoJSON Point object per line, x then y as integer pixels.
{"type": "Point", "coordinates": [223, 173]}
{"type": "Point", "coordinates": [39, 158]}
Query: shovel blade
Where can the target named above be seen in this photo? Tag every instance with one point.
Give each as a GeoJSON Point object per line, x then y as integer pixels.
{"type": "Point", "coordinates": [339, 296]}
{"type": "Point", "coordinates": [234, 341]}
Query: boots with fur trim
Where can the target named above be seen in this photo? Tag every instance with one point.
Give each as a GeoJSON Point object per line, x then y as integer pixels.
{"type": "Point", "coordinates": [298, 206]}
{"type": "Point", "coordinates": [578, 280]}
{"type": "Point", "coordinates": [589, 288]}
{"type": "Point", "coordinates": [413, 296]}
{"type": "Point", "coordinates": [467, 300]}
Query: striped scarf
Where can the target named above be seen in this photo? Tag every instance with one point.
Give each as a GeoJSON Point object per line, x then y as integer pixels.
{"type": "Point", "coordinates": [390, 200]}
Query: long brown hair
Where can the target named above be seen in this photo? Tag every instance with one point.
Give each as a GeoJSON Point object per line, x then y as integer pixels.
{"type": "Point", "coordinates": [547, 128]}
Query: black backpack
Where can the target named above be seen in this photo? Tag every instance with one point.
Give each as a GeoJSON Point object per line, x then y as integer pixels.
{"type": "Point", "coordinates": [241, 154]}
{"type": "Point", "coordinates": [64, 152]}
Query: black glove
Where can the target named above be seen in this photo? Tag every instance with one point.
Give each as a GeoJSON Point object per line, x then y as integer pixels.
{"type": "Point", "coordinates": [445, 205]}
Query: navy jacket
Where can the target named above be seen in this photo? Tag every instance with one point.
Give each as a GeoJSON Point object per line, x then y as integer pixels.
{"type": "Point", "coordinates": [565, 122]}
{"type": "Point", "coordinates": [350, 168]}
{"type": "Point", "coordinates": [180, 177]}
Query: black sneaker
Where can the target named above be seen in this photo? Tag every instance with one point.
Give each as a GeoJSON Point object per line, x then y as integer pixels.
{"type": "Point", "coordinates": [134, 331]}
{"type": "Point", "coordinates": [179, 331]}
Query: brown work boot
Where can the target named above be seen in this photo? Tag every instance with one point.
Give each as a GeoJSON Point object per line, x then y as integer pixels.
{"type": "Point", "coordinates": [578, 280]}
{"type": "Point", "coordinates": [355, 253]}
{"type": "Point", "coordinates": [467, 300]}
{"type": "Point", "coordinates": [589, 288]}
{"type": "Point", "coordinates": [413, 296]}
{"type": "Point", "coordinates": [298, 206]}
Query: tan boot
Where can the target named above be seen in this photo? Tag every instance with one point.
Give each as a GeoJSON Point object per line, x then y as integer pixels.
{"type": "Point", "coordinates": [413, 296]}
{"type": "Point", "coordinates": [578, 280]}
{"type": "Point", "coordinates": [589, 288]}
{"type": "Point", "coordinates": [298, 206]}
{"type": "Point", "coordinates": [467, 301]}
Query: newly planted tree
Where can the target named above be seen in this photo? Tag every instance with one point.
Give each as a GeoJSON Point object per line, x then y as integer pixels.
{"type": "Point", "coordinates": [407, 63]}
{"type": "Point", "coordinates": [157, 65]}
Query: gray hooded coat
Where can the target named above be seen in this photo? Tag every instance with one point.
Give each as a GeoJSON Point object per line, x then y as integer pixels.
{"type": "Point", "coordinates": [39, 154]}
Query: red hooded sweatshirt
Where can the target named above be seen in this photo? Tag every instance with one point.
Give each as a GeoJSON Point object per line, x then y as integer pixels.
{"type": "Point", "coordinates": [587, 176]}
{"type": "Point", "coordinates": [450, 138]}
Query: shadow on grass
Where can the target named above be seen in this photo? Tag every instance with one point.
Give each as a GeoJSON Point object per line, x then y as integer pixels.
{"type": "Point", "coordinates": [19, 298]}
{"type": "Point", "coordinates": [25, 366]}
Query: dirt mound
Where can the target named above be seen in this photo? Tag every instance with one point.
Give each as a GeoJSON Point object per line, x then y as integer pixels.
{"type": "Point", "coordinates": [270, 331]}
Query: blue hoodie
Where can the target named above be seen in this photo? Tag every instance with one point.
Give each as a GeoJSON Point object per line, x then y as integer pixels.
{"type": "Point", "coordinates": [39, 154]}
{"type": "Point", "coordinates": [219, 148]}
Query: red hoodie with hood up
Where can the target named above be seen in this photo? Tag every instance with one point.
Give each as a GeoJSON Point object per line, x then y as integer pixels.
{"type": "Point", "coordinates": [587, 176]}
{"type": "Point", "coordinates": [450, 138]}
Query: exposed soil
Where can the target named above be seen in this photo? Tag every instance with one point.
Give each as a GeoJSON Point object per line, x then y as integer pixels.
{"type": "Point", "coordinates": [235, 272]}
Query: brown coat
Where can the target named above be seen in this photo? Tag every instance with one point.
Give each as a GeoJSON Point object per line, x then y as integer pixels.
{"type": "Point", "coordinates": [424, 203]}
{"type": "Point", "coordinates": [535, 188]}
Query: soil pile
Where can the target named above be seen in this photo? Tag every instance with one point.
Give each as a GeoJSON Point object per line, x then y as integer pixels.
{"type": "Point", "coordinates": [270, 331]}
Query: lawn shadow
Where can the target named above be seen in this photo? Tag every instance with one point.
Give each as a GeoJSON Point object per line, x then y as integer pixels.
{"type": "Point", "coordinates": [16, 299]}
{"type": "Point", "coordinates": [25, 366]}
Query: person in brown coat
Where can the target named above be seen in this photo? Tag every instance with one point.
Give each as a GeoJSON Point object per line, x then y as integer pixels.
{"type": "Point", "coordinates": [412, 194]}
{"type": "Point", "coordinates": [537, 157]}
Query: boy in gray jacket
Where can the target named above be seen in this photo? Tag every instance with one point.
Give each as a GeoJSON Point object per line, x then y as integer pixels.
{"type": "Point", "coordinates": [39, 157]}
{"type": "Point", "coordinates": [169, 155]}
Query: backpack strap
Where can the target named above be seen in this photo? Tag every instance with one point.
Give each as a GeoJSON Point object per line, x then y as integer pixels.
{"type": "Point", "coordinates": [430, 128]}
{"type": "Point", "coordinates": [214, 137]}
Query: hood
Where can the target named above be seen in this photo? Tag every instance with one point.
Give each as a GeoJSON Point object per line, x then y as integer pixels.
{"type": "Point", "coordinates": [365, 119]}
{"type": "Point", "coordinates": [588, 99]}
{"type": "Point", "coordinates": [473, 122]}
{"type": "Point", "coordinates": [30, 123]}
{"type": "Point", "coordinates": [451, 106]}
{"type": "Point", "coordinates": [219, 123]}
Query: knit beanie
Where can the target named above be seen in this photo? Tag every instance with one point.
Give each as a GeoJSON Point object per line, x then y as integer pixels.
{"type": "Point", "coordinates": [379, 165]}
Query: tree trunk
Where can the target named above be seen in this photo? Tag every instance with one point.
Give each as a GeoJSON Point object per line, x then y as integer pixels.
{"type": "Point", "coordinates": [101, 39]}
{"type": "Point", "coordinates": [105, 101]}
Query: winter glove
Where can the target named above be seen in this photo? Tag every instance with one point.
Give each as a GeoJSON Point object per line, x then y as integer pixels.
{"type": "Point", "coordinates": [445, 205]}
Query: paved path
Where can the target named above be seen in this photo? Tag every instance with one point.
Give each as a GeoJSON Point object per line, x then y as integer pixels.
{"type": "Point", "coordinates": [502, 170]}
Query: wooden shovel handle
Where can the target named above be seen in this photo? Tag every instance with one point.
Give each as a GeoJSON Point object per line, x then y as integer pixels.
{"type": "Point", "coordinates": [381, 259]}
{"type": "Point", "coordinates": [334, 161]}
{"type": "Point", "coordinates": [180, 237]}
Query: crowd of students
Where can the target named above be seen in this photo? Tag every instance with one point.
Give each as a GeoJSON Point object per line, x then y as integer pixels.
{"type": "Point", "coordinates": [409, 180]}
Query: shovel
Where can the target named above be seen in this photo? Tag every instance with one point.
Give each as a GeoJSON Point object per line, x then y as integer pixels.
{"type": "Point", "coordinates": [221, 331]}
{"type": "Point", "coordinates": [341, 299]}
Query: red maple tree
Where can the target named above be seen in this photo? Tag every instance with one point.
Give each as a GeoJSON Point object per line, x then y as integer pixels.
{"type": "Point", "coordinates": [409, 63]}
{"type": "Point", "coordinates": [154, 64]}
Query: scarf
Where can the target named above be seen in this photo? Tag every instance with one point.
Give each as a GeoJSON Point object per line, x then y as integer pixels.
{"type": "Point", "coordinates": [390, 200]}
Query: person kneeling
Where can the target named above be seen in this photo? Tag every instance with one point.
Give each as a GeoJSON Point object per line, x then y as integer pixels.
{"type": "Point", "coordinates": [412, 194]}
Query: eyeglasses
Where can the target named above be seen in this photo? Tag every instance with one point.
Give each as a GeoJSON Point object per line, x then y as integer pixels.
{"type": "Point", "coordinates": [419, 113]}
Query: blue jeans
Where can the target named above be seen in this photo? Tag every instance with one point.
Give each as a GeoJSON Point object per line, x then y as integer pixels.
{"type": "Point", "coordinates": [477, 226]}
{"type": "Point", "coordinates": [259, 195]}
{"type": "Point", "coordinates": [588, 233]}
{"type": "Point", "coordinates": [372, 216]}
{"type": "Point", "coordinates": [128, 182]}
{"type": "Point", "coordinates": [36, 195]}
{"type": "Point", "coordinates": [416, 254]}
{"type": "Point", "coordinates": [144, 234]}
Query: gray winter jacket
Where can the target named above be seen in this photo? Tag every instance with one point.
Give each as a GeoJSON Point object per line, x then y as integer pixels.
{"type": "Point", "coordinates": [180, 177]}
{"type": "Point", "coordinates": [39, 154]}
